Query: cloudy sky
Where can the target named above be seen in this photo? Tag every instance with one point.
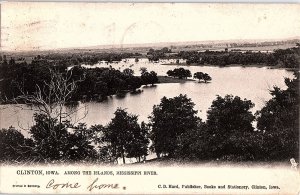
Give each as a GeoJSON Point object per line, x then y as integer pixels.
{"type": "Point", "coordinates": [38, 26]}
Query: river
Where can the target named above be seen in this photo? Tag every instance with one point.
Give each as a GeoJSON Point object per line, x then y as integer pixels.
{"type": "Point", "coordinates": [252, 83]}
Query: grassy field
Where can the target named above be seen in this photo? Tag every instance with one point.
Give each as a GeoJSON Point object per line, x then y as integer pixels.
{"type": "Point", "coordinates": [166, 79]}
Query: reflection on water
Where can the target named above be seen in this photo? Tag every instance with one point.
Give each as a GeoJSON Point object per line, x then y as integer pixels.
{"type": "Point", "coordinates": [251, 83]}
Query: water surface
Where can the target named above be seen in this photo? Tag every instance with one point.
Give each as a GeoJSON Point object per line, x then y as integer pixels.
{"type": "Point", "coordinates": [252, 83]}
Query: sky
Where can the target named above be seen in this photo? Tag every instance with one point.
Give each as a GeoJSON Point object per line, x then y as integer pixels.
{"type": "Point", "coordinates": [42, 26]}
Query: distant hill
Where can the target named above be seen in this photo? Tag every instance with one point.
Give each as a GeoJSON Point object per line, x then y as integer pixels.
{"type": "Point", "coordinates": [168, 44]}
{"type": "Point", "coordinates": [176, 46]}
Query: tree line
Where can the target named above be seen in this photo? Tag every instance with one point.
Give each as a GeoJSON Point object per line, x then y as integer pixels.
{"type": "Point", "coordinates": [87, 57]}
{"type": "Point", "coordinates": [182, 73]}
{"type": "Point", "coordinates": [91, 83]}
{"type": "Point", "coordinates": [174, 131]}
{"type": "Point", "coordinates": [284, 57]}
{"type": "Point", "coordinates": [155, 55]}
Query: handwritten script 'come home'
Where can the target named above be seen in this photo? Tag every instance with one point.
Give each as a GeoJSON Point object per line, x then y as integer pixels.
{"type": "Point", "coordinates": [68, 185]}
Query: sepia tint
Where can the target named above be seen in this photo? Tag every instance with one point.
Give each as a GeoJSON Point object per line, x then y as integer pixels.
{"type": "Point", "coordinates": [138, 90]}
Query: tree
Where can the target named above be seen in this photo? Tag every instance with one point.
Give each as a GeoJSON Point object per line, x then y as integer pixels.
{"type": "Point", "coordinates": [170, 73]}
{"type": "Point", "coordinates": [193, 143]}
{"type": "Point", "coordinates": [166, 50]}
{"type": "Point", "coordinates": [154, 57]}
{"type": "Point", "coordinates": [153, 78]}
{"type": "Point", "coordinates": [198, 75]}
{"type": "Point", "coordinates": [180, 73]}
{"type": "Point", "coordinates": [229, 124]}
{"type": "Point", "coordinates": [51, 138]}
{"type": "Point", "coordinates": [143, 70]}
{"type": "Point", "coordinates": [14, 147]}
{"type": "Point", "coordinates": [51, 97]}
{"type": "Point", "coordinates": [169, 120]}
{"type": "Point", "coordinates": [81, 143]}
{"type": "Point", "coordinates": [149, 78]}
{"type": "Point", "coordinates": [278, 122]}
{"type": "Point", "coordinates": [151, 50]}
{"type": "Point", "coordinates": [12, 61]}
{"type": "Point", "coordinates": [206, 77]}
{"type": "Point", "coordinates": [125, 137]}
{"type": "Point", "coordinates": [128, 72]}
{"type": "Point", "coordinates": [106, 154]}
{"type": "Point", "coordinates": [101, 88]}
{"type": "Point", "coordinates": [134, 82]}
{"type": "Point", "coordinates": [139, 147]}
{"type": "Point", "coordinates": [53, 142]}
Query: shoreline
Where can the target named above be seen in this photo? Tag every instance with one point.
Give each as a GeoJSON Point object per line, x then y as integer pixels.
{"type": "Point", "coordinates": [161, 80]}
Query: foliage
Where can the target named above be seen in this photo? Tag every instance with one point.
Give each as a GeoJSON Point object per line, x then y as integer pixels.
{"type": "Point", "coordinates": [193, 143]}
{"type": "Point", "coordinates": [53, 141]}
{"type": "Point", "coordinates": [125, 136]}
{"type": "Point", "coordinates": [14, 146]}
{"type": "Point", "coordinates": [278, 122]}
{"type": "Point", "coordinates": [286, 57]}
{"type": "Point", "coordinates": [106, 154]}
{"type": "Point", "coordinates": [179, 73]}
{"type": "Point", "coordinates": [149, 78]}
{"type": "Point", "coordinates": [51, 136]}
{"type": "Point", "coordinates": [202, 76]}
{"type": "Point", "coordinates": [206, 77]}
{"type": "Point", "coordinates": [228, 126]}
{"type": "Point", "coordinates": [174, 128]}
{"type": "Point", "coordinates": [169, 120]}
{"type": "Point", "coordinates": [86, 58]}
{"type": "Point", "coordinates": [139, 147]}
{"type": "Point", "coordinates": [134, 83]}
{"type": "Point", "coordinates": [128, 72]}
{"type": "Point", "coordinates": [101, 82]}
{"type": "Point", "coordinates": [155, 55]}
{"type": "Point", "coordinates": [143, 70]}
{"type": "Point", "coordinates": [91, 84]}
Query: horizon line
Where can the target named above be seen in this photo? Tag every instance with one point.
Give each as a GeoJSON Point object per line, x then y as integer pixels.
{"type": "Point", "coordinates": [138, 45]}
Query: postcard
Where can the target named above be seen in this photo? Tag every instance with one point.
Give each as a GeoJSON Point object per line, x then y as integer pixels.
{"type": "Point", "coordinates": [149, 98]}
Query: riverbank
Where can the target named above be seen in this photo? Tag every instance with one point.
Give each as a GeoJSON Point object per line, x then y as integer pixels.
{"type": "Point", "coordinates": [99, 98]}
{"type": "Point", "coordinates": [166, 79]}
